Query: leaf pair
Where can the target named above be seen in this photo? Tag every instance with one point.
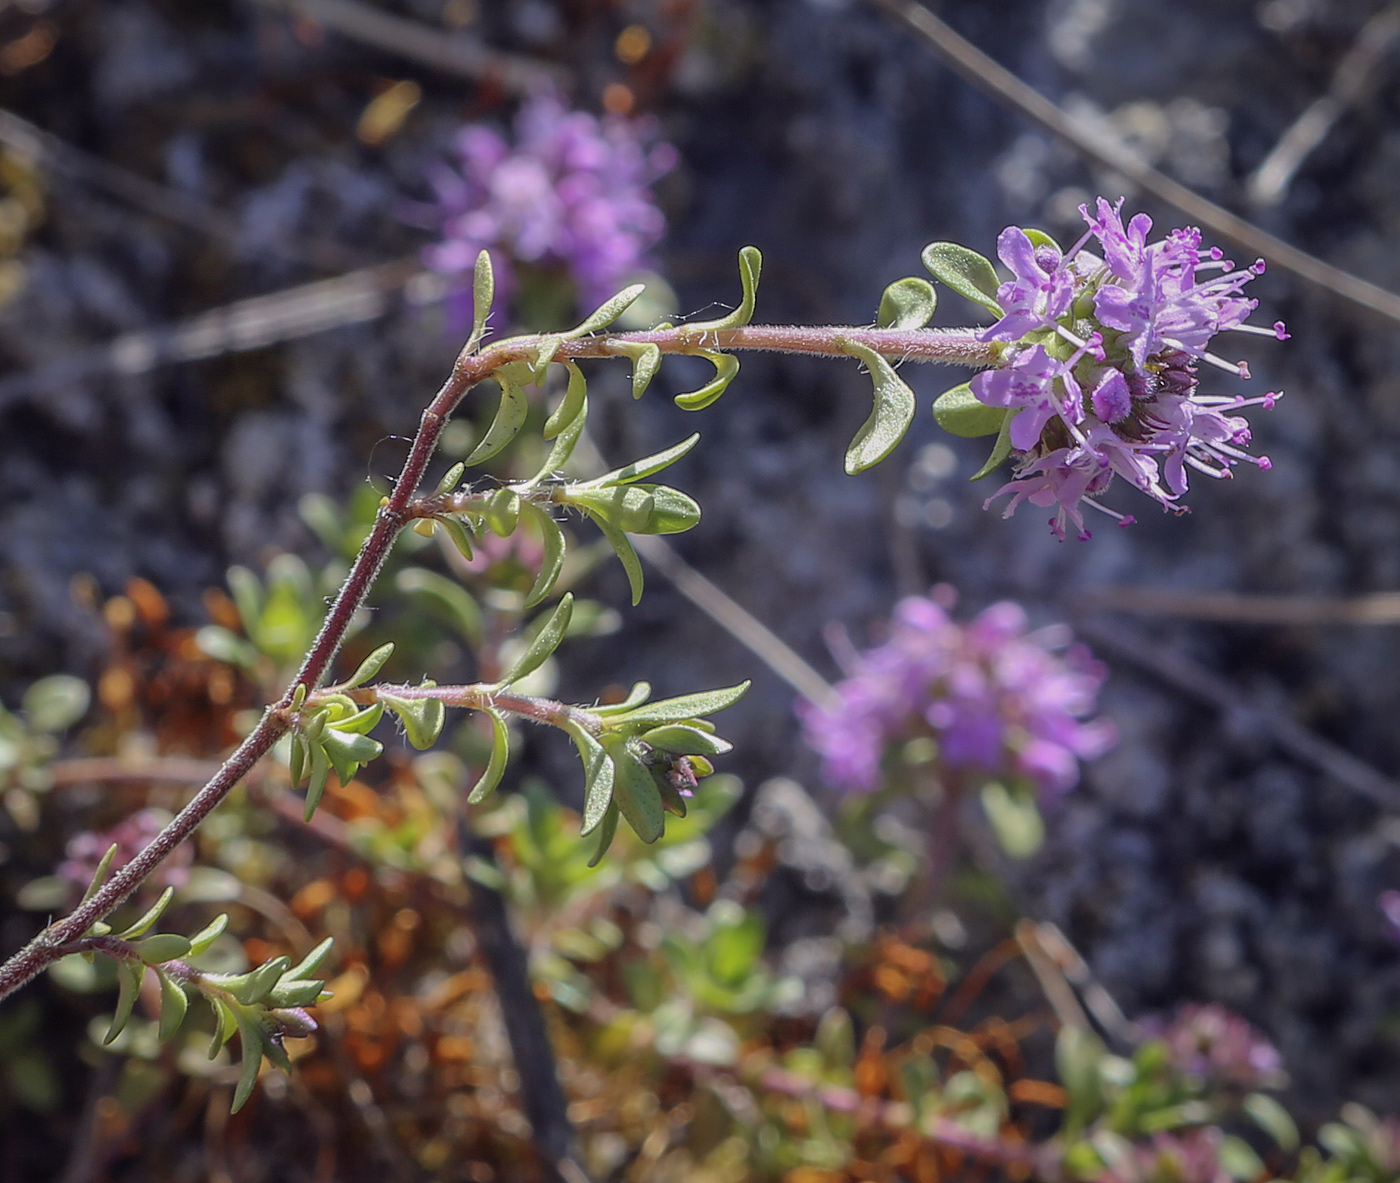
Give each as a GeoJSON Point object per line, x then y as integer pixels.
{"type": "Point", "coordinates": [627, 764]}
{"type": "Point", "coordinates": [619, 505]}
{"type": "Point", "coordinates": [336, 737]}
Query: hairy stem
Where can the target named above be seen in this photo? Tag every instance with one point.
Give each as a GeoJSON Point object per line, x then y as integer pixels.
{"type": "Point", "coordinates": [481, 695]}
{"type": "Point", "coordinates": [955, 346]}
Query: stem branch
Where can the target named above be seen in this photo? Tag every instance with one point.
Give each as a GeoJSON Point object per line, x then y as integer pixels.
{"type": "Point", "coordinates": [956, 346]}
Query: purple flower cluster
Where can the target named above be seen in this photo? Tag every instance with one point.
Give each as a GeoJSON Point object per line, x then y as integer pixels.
{"type": "Point", "coordinates": [1217, 1047]}
{"type": "Point", "coordinates": [995, 698]}
{"type": "Point", "coordinates": [85, 850]}
{"type": "Point", "coordinates": [1102, 369]}
{"type": "Point", "coordinates": [573, 192]}
{"type": "Point", "coordinates": [1192, 1156]}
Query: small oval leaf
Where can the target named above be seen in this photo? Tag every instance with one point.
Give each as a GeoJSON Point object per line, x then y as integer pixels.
{"type": "Point", "coordinates": [890, 417]}
{"type": "Point", "coordinates": [552, 563]}
{"type": "Point", "coordinates": [634, 791]}
{"type": "Point", "coordinates": [496, 765]}
{"type": "Point", "coordinates": [1000, 450]}
{"type": "Point", "coordinates": [726, 370]}
{"type": "Point", "coordinates": [907, 303]}
{"type": "Point", "coordinates": [546, 641]}
{"type": "Point", "coordinates": [960, 412]}
{"type": "Point", "coordinates": [965, 271]}
{"type": "Point", "coordinates": [370, 666]}
{"type": "Point", "coordinates": [510, 418]}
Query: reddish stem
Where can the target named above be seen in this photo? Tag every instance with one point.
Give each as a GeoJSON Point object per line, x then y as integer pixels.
{"type": "Point", "coordinates": [958, 346]}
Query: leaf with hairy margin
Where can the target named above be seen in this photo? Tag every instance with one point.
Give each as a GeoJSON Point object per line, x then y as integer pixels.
{"type": "Point", "coordinates": [510, 418]}
{"type": "Point", "coordinates": [546, 641]}
{"type": "Point", "coordinates": [496, 766]}
{"type": "Point", "coordinates": [890, 417]}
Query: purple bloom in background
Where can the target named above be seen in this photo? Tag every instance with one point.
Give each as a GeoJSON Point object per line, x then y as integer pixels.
{"type": "Point", "coordinates": [1218, 1047]}
{"type": "Point", "coordinates": [1114, 392]}
{"type": "Point", "coordinates": [571, 192]}
{"type": "Point", "coordinates": [85, 850]}
{"type": "Point", "coordinates": [1191, 1156]}
{"type": "Point", "coordinates": [996, 698]}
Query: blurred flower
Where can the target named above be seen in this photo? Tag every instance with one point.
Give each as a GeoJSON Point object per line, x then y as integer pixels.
{"type": "Point", "coordinates": [573, 192]}
{"type": "Point", "coordinates": [85, 850]}
{"type": "Point", "coordinates": [996, 699]}
{"type": "Point", "coordinates": [1189, 1157]}
{"type": "Point", "coordinates": [1216, 1046]}
{"type": "Point", "coordinates": [1106, 385]}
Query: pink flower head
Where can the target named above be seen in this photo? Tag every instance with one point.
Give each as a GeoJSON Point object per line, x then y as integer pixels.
{"type": "Point", "coordinates": [1116, 393]}
{"type": "Point", "coordinates": [997, 699]}
{"type": "Point", "coordinates": [571, 191]}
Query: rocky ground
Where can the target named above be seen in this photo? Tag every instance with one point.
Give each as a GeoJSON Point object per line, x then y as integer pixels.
{"type": "Point", "coordinates": [1199, 860]}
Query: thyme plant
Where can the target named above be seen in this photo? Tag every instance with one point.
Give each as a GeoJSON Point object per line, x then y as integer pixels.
{"type": "Point", "coordinates": [1089, 372]}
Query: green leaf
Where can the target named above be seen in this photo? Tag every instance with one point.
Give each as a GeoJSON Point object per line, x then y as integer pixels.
{"type": "Point", "coordinates": [965, 271]}
{"type": "Point", "coordinates": [369, 667]}
{"type": "Point", "coordinates": [545, 643]}
{"type": "Point", "coordinates": [639, 693]}
{"type": "Point", "coordinates": [960, 412]}
{"type": "Point", "coordinates": [573, 404]}
{"type": "Point", "coordinates": [361, 722]}
{"type": "Point", "coordinates": [1039, 237]}
{"type": "Point", "coordinates": [252, 987]}
{"type": "Point", "coordinates": [554, 547]}
{"type": "Point", "coordinates": [626, 554]}
{"type": "Point", "coordinates": [597, 777]}
{"type": "Point", "coordinates": [647, 466]}
{"type": "Point", "coordinates": [450, 478]}
{"type": "Point", "coordinates": [148, 920]}
{"type": "Point", "coordinates": [687, 706]}
{"type": "Point", "coordinates": [251, 1035]}
{"type": "Point", "coordinates": [163, 947]}
{"type": "Point", "coordinates": [222, 645]}
{"type": "Point", "coordinates": [726, 370]}
{"type": "Point", "coordinates": [483, 295]}
{"type": "Point", "coordinates": [607, 312]}
{"type": "Point", "coordinates": [510, 418]}
{"type": "Point", "coordinates": [1078, 1054]}
{"type": "Point", "coordinates": [309, 964]}
{"type": "Point", "coordinates": [206, 936]}
{"type": "Point", "coordinates": [1273, 1119]}
{"type": "Point", "coordinates": [907, 303]}
{"type": "Point", "coordinates": [349, 752]}
{"type": "Point", "coordinates": [503, 512]}
{"type": "Point", "coordinates": [733, 950]}
{"type": "Point", "coordinates": [447, 599]}
{"type": "Point", "coordinates": [128, 987]}
{"type": "Point", "coordinates": [1239, 1159]}
{"type": "Point", "coordinates": [496, 765]}
{"type": "Point", "coordinates": [544, 355]}
{"type": "Point", "coordinates": [247, 593]}
{"type": "Point", "coordinates": [458, 533]}
{"type": "Point", "coordinates": [174, 1002]}
{"type": "Point", "coordinates": [750, 268]}
{"type": "Point", "coordinates": [1000, 450]}
{"type": "Point", "coordinates": [607, 831]}
{"type": "Point", "coordinates": [634, 790]}
{"type": "Point", "coordinates": [99, 876]}
{"type": "Point", "coordinates": [320, 772]}
{"type": "Point", "coordinates": [296, 766]}
{"type": "Point", "coordinates": [637, 509]}
{"type": "Point", "coordinates": [294, 993]}
{"type": "Point", "coordinates": [686, 741]}
{"type": "Point", "coordinates": [1015, 818]}
{"type": "Point", "coordinates": [422, 718]}
{"type": "Point", "coordinates": [646, 360]}
{"type": "Point", "coordinates": [55, 703]}
{"type": "Point", "coordinates": [224, 1025]}
{"type": "Point", "coordinates": [890, 418]}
